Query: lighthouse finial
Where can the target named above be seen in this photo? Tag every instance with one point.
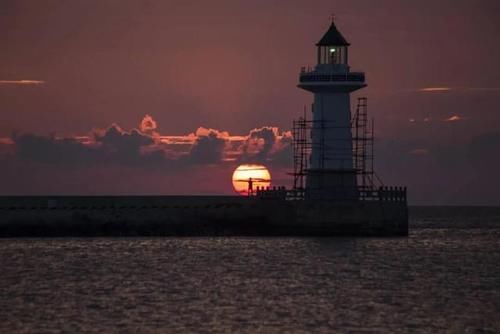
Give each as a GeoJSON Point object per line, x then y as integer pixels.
{"type": "Point", "coordinates": [332, 18]}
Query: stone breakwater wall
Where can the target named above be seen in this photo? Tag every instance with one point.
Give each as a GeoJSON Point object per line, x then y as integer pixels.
{"type": "Point", "coordinates": [80, 216]}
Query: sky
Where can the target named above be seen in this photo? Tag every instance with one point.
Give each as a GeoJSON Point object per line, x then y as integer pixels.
{"type": "Point", "coordinates": [169, 97]}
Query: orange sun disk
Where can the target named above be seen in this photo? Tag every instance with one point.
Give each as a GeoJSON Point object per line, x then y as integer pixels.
{"type": "Point", "coordinates": [250, 174]}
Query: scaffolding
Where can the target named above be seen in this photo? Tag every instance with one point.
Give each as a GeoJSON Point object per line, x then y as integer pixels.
{"type": "Point", "coordinates": [363, 146]}
{"type": "Point", "coordinates": [302, 147]}
{"type": "Point", "coordinates": [362, 155]}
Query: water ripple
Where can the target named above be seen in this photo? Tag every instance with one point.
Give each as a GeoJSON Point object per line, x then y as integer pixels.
{"type": "Point", "coordinates": [437, 280]}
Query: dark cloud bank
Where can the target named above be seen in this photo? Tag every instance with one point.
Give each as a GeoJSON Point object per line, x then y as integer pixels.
{"type": "Point", "coordinates": [143, 150]}
{"type": "Point", "coordinates": [436, 171]}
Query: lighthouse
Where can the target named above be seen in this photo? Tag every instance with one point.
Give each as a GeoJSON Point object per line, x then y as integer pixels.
{"type": "Point", "coordinates": [331, 174]}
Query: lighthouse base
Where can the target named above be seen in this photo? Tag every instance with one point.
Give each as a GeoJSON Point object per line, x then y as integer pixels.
{"type": "Point", "coordinates": [332, 184]}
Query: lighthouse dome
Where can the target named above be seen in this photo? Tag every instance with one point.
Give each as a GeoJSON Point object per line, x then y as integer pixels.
{"type": "Point", "coordinates": [333, 37]}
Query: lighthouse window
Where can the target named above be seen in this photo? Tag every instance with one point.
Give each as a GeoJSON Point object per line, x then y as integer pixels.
{"type": "Point", "coordinates": [332, 55]}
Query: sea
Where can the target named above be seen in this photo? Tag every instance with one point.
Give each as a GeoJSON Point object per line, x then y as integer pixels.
{"type": "Point", "coordinates": [443, 278]}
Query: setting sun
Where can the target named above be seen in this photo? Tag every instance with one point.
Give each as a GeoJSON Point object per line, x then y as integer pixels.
{"type": "Point", "coordinates": [248, 178]}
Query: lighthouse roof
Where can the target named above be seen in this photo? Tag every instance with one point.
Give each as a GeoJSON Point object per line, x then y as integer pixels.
{"type": "Point", "coordinates": [333, 37]}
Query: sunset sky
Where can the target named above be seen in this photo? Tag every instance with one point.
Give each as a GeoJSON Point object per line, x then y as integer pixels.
{"type": "Point", "coordinates": [169, 97]}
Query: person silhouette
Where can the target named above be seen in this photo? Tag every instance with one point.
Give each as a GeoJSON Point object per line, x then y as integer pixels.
{"type": "Point", "coordinates": [250, 186]}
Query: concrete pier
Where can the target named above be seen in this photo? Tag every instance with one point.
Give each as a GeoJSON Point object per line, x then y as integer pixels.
{"type": "Point", "coordinates": [82, 216]}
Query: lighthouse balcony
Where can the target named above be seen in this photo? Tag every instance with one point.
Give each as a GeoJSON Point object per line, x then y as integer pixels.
{"type": "Point", "coordinates": [313, 75]}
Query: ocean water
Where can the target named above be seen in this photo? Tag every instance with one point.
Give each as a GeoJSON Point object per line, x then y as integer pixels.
{"type": "Point", "coordinates": [443, 278]}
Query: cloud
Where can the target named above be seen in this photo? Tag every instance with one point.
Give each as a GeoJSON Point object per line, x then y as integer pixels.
{"type": "Point", "coordinates": [117, 139]}
{"type": "Point", "coordinates": [454, 118]}
{"type": "Point", "coordinates": [148, 124]}
{"type": "Point", "coordinates": [144, 147]}
{"type": "Point", "coordinates": [260, 142]}
{"type": "Point", "coordinates": [109, 146]}
{"type": "Point", "coordinates": [457, 89]}
{"type": "Point", "coordinates": [415, 120]}
{"type": "Point", "coordinates": [435, 89]}
{"type": "Point", "coordinates": [49, 149]}
{"type": "Point", "coordinates": [115, 160]}
{"type": "Point", "coordinates": [208, 147]}
{"type": "Point", "coordinates": [265, 144]}
{"type": "Point", "coordinates": [133, 147]}
{"type": "Point", "coordinates": [22, 82]}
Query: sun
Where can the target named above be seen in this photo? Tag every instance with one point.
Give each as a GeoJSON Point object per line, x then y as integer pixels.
{"type": "Point", "coordinates": [249, 177]}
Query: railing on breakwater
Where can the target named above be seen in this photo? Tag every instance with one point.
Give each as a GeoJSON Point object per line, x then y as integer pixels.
{"type": "Point", "coordinates": [383, 194]}
{"type": "Point", "coordinates": [272, 192]}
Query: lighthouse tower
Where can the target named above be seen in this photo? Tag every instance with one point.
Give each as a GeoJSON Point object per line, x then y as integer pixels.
{"type": "Point", "coordinates": [331, 175]}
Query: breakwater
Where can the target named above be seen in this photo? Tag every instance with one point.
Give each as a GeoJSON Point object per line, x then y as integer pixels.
{"type": "Point", "coordinates": [60, 216]}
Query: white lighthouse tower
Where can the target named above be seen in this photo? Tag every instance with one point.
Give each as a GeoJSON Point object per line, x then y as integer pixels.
{"type": "Point", "coordinates": [331, 175]}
